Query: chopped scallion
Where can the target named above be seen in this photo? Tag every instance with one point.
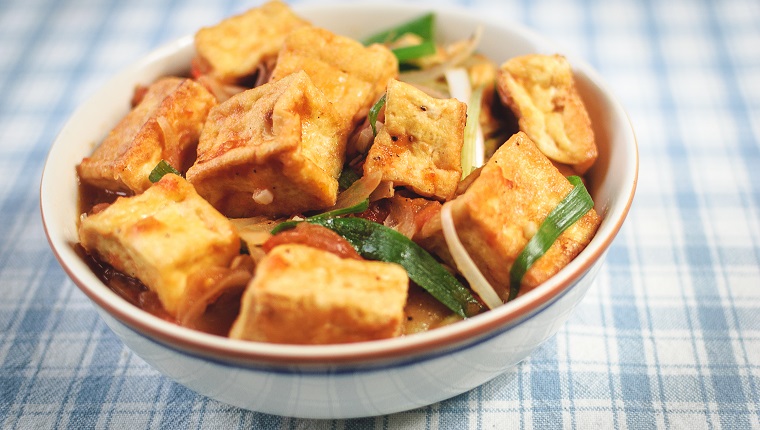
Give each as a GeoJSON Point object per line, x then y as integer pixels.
{"type": "Point", "coordinates": [347, 177]}
{"type": "Point", "coordinates": [422, 26]}
{"type": "Point", "coordinates": [374, 241]}
{"type": "Point", "coordinates": [575, 204]}
{"type": "Point", "coordinates": [473, 148]}
{"type": "Point", "coordinates": [161, 169]}
{"type": "Point", "coordinates": [373, 112]}
{"type": "Point", "coordinates": [406, 53]}
{"type": "Point", "coordinates": [460, 88]}
{"type": "Point", "coordinates": [357, 208]}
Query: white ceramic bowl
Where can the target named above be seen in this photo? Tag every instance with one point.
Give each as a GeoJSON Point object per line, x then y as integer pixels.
{"type": "Point", "coordinates": [362, 379]}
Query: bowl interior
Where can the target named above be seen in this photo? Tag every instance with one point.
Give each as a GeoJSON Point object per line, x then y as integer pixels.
{"type": "Point", "coordinates": [92, 121]}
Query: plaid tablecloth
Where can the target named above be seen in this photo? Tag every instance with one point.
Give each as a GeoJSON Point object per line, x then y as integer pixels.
{"type": "Point", "coordinates": [668, 337]}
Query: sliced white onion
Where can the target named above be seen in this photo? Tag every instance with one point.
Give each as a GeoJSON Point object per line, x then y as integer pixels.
{"type": "Point", "coordinates": [401, 218]}
{"type": "Point", "coordinates": [171, 140]}
{"type": "Point", "coordinates": [192, 308]}
{"type": "Point", "coordinates": [361, 140]}
{"type": "Point", "coordinates": [255, 230]}
{"type": "Point", "coordinates": [464, 262]}
{"type": "Point", "coordinates": [478, 144]}
{"type": "Point", "coordinates": [264, 72]}
{"type": "Point", "coordinates": [459, 84]}
{"type": "Point", "coordinates": [359, 191]}
{"type": "Point", "coordinates": [480, 147]}
{"type": "Point", "coordinates": [473, 149]}
{"type": "Point", "coordinates": [220, 90]}
{"type": "Point", "coordinates": [384, 190]}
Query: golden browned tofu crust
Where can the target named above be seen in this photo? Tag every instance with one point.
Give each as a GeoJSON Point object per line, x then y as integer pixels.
{"type": "Point", "coordinates": [541, 92]}
{"type": "Point", "coordinates": [166, 124]}
{"type": "Point", "coordinates": [277, 149]}
{"type": "Point", "coordinates": [303, 295]}
{"type": "Point", "coordinates": [503, 208]}
{"type": "Point", "coordinates": [420, 144]}
{"type": "Point", "coordinates": [161, 237]}
{"type": "Point", "coordinates": [351, 75]}
{"type": "Point", "coordinates": [235, 47]}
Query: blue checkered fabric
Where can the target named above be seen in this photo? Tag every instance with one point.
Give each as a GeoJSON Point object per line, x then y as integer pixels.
{"type": "Point", "coordinates": [668, 336]}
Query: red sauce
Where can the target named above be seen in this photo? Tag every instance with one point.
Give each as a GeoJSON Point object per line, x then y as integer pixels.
{"type": "Point", "coordinates": [422, 311]}
{"type": "Point", "coordinates": [91, 196]}
{"type": "Point", "coordinates": [219, 315]}
{"type": "Point", "coordinates": [128, 288]}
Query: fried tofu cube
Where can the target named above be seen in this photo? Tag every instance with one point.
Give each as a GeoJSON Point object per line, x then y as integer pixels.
{"type": "Point", "coordinates": [304, 295]}
{"type": "Point", "coordinates": [161, 237]}
{"type": "Point", "coordinates": [540, 91]}
{"type": "Point", "coordinates": [503, 208]}
{"type": "Point", "coordinates": [274, 150]}
{"type": "Point", "coordinates": [166, 124]}
{"type": "Point", "coordinates": [351, 75]}
{"type": "Point", "coordinates": [420, 144]}
{"type": "Point", "coordinates": [234, 48]}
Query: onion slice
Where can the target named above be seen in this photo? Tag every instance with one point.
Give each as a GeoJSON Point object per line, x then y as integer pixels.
{"type": "Point", "coordinates": [220, 90]}
{"type": "Point", "coordinates": [374, 111]}
{"type": "Point", "coordinates": [459, 84]}
{"type": "Point", "coordinates": [473, 148]}
{"type": "Point", "coordinates": [456, 58]}
{"type": "Point", "coordinates": [359, 191]}
{"type": "Point", "coordinates": [464, 262]}
{"type": "Point", "coordinates": [254, 230]}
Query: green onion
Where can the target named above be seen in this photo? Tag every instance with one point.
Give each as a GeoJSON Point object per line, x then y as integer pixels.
{"type": "Point", "coordinates": [357, 208]}
{"type": "Point", "coordinates": [374, 241]}
{"type": "Point", "coordinates": [161, 169]}
{"type": "Point", "coordinates": [575, 204]}
{"type": "Point", "coordinates": [406, 53]}
{"type": "Point", "coordinates": [347, 177]}
{"type": "Point", "coordinates": [408, 68]}
{"type": "Point", "coordinates": [422, 26]}
{"type": "Point", "coordinates": [460, 88]}
{"type": "Point", "coordinates": [472, 149]}
{"type": "Point", "coordinates": [373, 112]}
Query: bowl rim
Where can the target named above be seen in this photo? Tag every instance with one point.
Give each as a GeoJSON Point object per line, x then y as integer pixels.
{"type": "Point", "coordinates": [376, 352]}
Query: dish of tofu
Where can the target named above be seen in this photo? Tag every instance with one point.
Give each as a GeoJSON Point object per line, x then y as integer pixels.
{"type": "Point", "coordinates": [300, 186]}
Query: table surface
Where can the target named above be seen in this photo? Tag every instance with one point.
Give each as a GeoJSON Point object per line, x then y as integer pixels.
{"type": "Point", "coordinates": [667, 337]}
